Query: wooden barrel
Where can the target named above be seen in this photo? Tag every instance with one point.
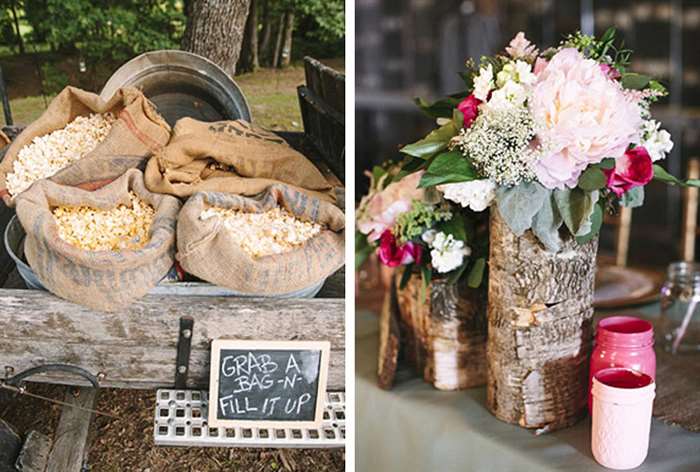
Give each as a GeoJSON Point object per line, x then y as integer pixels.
{"type": "Point", "coordinates": [444, 334]}
{"type": "Point", "coordinates": [540, 310]}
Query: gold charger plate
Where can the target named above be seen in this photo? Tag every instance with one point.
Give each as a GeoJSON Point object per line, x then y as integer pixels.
{"type": "Point", "coordinates": [617, 287]}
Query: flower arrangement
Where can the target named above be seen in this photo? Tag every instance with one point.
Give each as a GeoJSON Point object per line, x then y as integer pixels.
{"type": "Point", "coordinates": [551, 138]}
{"type": "Point", "coordinates": [418, 229]}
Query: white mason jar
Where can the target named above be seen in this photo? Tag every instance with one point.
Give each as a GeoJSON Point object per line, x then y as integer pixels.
{"type": "Point", "coordinates": [622, 405]}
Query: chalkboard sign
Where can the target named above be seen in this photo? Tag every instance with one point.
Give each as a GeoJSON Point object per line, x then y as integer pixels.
{"type": "Point", "coordinates": [267, 383]}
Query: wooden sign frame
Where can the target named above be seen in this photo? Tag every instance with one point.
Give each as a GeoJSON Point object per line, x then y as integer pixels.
{"type": "Point", "coordinates": [218, 344]}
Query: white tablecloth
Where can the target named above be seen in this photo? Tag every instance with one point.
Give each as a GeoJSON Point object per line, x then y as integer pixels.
{"type": "Point", "coordinates": [417, 428]}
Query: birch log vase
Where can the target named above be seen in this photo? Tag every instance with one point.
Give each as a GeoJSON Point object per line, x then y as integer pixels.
{"type": "Point", "coordinates": [539, 321]}
{"type": "Point", "coordinates": [444, 335]}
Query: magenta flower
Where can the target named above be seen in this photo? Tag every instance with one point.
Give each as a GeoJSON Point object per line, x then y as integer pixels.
{"type": "Point", "coordinates": [393, 255]}
{"type": "Point", "coordinates": [469, 108]}
{"type": "Point", "coordinates": [610, 71]}
{"type": "Point", "coordinates": [632, 169]}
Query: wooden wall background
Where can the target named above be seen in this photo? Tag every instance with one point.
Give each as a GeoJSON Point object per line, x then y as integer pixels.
{"type": "Point", "coordinates": [415, 48]}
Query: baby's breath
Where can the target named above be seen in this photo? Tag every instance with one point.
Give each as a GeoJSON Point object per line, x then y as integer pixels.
{"type": "Point", "coordinates": [500, 145]}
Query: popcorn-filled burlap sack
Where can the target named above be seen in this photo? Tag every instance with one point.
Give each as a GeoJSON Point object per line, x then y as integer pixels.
{"type": "Point", "coordinates": [232, 157]}
{"type": "Point", "coordinates": [137, 133]}
{"type": "Point", "coordinates": [206, 249]}
{"type": "Point", "coordinates": [103, 280]}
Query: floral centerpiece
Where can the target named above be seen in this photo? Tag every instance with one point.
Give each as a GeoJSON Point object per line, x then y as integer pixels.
{"type": "Point", "coordinates": [548, 141]}
{"type": "Point", "coordinates": [439, 250]}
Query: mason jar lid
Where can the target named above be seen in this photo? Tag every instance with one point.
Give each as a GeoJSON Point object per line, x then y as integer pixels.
{"type": "Point", "coordinates": [625, 332]}
{"type": "Point", "coordinates": [684, 272]}
{"type": "Point", "coordinates": [622, 386]}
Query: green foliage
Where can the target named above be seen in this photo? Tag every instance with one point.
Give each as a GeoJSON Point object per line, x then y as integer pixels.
{"type": "Point", "coordinates": [592, 179]}
{"type": "Point", "coordinates": [53, 79]}
{"type": "Point", "coordinates": [518, 205]}
{"type": "Point", "coordinates": [328, 16]}
{"type": "Point", "coordinates": [362, 249]}
{"type": "Point", "coordinates": [602, 50]}
{"type": "Point", "coordinates": [103, 29]}
{"type": "Point", "coordinates": [546, 224]}
{"type": "Point", "coordinates": [476, 274]}
{"type": "Point", "coordinates": [421, 217]}
{"type": "Point", "coordinates": [633, 198]}
{"type": "Point", "coordinates": [448, 167]}
{"type": "Point", "coordinates": [435, 142]}
{"type": "Point", "coordinates": [576, 207]}
{"type": "Point", "coordinates": [596, 223]}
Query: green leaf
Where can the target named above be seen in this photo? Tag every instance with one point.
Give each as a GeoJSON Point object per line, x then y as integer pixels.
{"type": "Point", "coordinates": [596, 223]}
{"type": "Point", "coordinates": [634, 81]}
{"type": "Point", "coordinates": [378, 172]}
{"type": "Point", "coordinates": [476, 274]}
{"type": "Point", "coordinates": [441, 108]}
{"type": "Point", "coordinates": [518, 205]}
{"type": "Point", "coordinates": [633, 198]}
{"type": "Point", "coordinates": [456, 274]}
{"type": "Point", "coordinates": [546, 224]}
{"type": "Point", "coordinates": [362, 249]}
{"type": "Point", "coordinates": [592, 179]}
{"type": "Point", "coordinates": [454, 226]}
{"type": "Point", "coordinates": [661, 175]}
{"type": "Point", "coordinates": [426, 276]}
{"type": "Point", "coordinates": [457, 119]}
{"type": "Point", "coordinates": [657, 87]}
{"type": "Point", "coordinates": [576, 207]}
{"type": "Point", "coordinates": [406, 276]}
{"type": "Point", "coordinates": [607, 163]}
{"type": "Point", "coordinates": [435, 142]}
{"type": "Point", "coordinates": [451, 166]}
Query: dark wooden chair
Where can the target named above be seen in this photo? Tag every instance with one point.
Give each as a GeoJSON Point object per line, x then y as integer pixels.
{"type": "Point", "coordinates": [322, 102]}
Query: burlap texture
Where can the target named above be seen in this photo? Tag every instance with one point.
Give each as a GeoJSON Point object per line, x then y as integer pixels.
{"type": "Point", "coordinates": [206, 249]}
{"type": "Point", "coordinates": [138, 132]}
{"type": "Point", "coordinates": [231, 157]}
{"type": "Point", "coordinates": [103, 280]}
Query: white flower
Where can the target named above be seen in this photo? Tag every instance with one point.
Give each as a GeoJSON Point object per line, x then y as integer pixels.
{"type": "Point", "coordinates": [475, 194]}
{"type": "Point", "coordinates": [447, 253]}
{"type": "Point", "coordinates": [516, 71]}
{"type": "Point", "coordinates": [511, 94]}
{"type": "Point", "coordinates": [429, 236]}
{"type": "Point", "coordinates": [656, 141]}
{"type": "Point", "coordinates": [483, 83]}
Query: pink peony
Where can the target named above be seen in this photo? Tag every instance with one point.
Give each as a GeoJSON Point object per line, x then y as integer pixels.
{"type": "Point", "coordinates": [584, 117]}
{"type": "Point", "coordinates": [632, 169]}
{"type": "Point", "coordinates": [469, 108]}
{"type": "Point", "coordinates": [382, 208]}
{"type": "Point", "coordinates": [394, 255]}
{"type": "Point", "coordinates": [610, 72]}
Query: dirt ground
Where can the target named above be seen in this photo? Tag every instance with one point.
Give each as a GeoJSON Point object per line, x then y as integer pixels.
{"type": "Point", "coordinates": [125, 444]}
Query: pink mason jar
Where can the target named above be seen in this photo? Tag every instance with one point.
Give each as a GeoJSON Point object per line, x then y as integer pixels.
{"type": "Point", "coordinates": [623, 341]}
{"type": "Point", "coordinates": [622, 406]}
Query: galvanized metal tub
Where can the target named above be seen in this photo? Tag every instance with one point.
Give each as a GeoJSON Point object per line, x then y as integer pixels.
{"type": "Point", "coordinates": [182, 84]}
{"type": "Point", "coordinates": [14, 244]}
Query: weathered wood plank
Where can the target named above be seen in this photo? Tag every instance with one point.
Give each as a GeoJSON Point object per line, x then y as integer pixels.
{"type": "Point", "coordinates": [10, 445]}
{"type": "Point", "coordinates": [70, 442]}
{"type": "Point", "coordinates": [136, 348]}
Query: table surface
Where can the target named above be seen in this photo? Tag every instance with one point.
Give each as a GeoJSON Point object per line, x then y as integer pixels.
{"type": "Point", "coordinates": [415, 427]}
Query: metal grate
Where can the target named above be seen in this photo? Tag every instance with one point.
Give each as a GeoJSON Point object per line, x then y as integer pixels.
{"type": "Point", "coordinates": [181, 420]}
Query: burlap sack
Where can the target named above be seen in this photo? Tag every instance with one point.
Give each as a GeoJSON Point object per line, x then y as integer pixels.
{"type": "Point", "coordinates": [104, 280]}
{"type": "Point", "coordinates": [138, 132]}
{"type": "Point", "coordinates": [206, 250]}
{"type": "Point", "coordinates": [231, 157]}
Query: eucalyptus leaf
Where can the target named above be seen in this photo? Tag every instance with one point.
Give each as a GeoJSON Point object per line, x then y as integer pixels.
{"type": "Point", "coordinates": [596, 223]}
{"type": "Point", "coordinates": [634, 81]}
{"type": "Point", "coordinates": [633, 198]}
{"type": "Point", "coordinates": [592, 179]}
{"type": "Point", "coordinates": [435, 142]}
{"type": "Point", "coordinates": [476, 274]}
{"type": "Point", "coordinates": [546, 224]}
{"type": "Point", "coordinates": [518, 205]}
{"type": "Point", "coordinates": [576, 207]}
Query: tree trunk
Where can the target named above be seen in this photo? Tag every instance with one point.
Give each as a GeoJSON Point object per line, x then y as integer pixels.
{"type": "Point", "coordinates": [279, 33]}
{"type": "Point", "coordinates": [215, 30]}
{"type": "Point", "coordinates": [286, 54]}
{"type": "Point", "coordinates": [540, 310]}
{"type": "Point", "coordinates": [15, 19]}
{"type": "Point", "coordinates": [266, 35]}
{"type": "Point", "coordinates": [249, 54]}
{"type": "Point", "coordinates": [444, 335]}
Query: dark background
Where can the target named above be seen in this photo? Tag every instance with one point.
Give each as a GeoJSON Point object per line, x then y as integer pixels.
{"type": "Point", "coordinates": [406, 49]}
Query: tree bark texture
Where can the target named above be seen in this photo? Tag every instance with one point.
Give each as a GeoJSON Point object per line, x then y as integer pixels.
{"type": "Point", "coordinates": [539, 317]}
{"type": "Point", "coordinates": [286, 54]}
{"type": "Point", "coordinates": [279, 34]}
{"type": "Point", "coordinates": [444, 335]}
{"type": "Point", "coordinates": [215, 30]}
{"type": "Point", "coordinates": [249, 53]}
